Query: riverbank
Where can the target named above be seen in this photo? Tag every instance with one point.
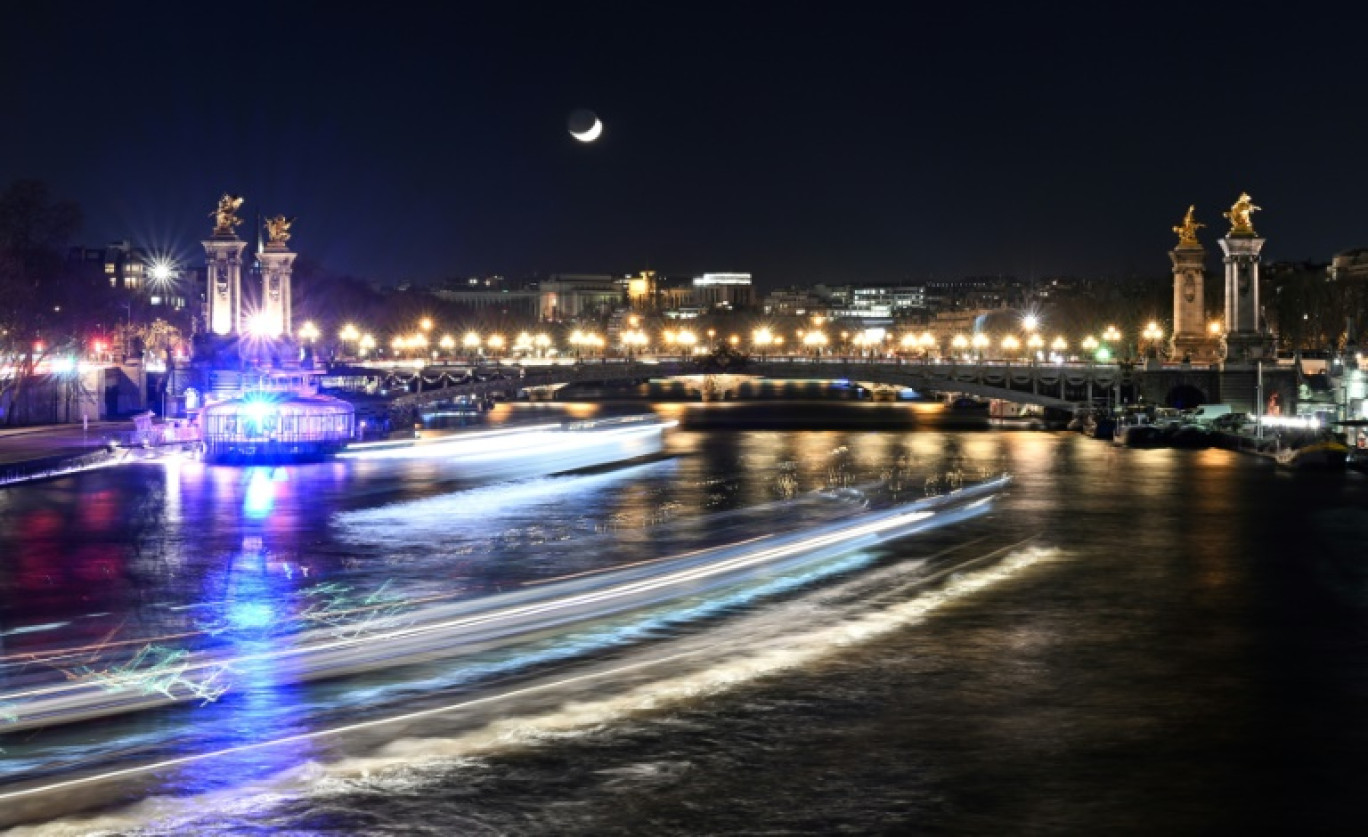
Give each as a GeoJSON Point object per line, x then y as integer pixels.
{"type": "Point", "coordinates": [50, 450]}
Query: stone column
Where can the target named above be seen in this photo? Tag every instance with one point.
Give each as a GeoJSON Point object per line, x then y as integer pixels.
{"type": "Point", "coordinates": [1190, 339]}
{"type": "Point", "coordinates": [223, 272]}
{"type": "Point", "coordinates": [277, 263]}
{"type": "Point", "coordinates": [1245, 340]}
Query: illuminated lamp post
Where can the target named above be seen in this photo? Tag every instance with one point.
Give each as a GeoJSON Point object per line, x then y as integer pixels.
{"type": "Point", "coordinates": [543, 343]}
{"type": "Point", "coordinates": [979, 342]}
{"type": "Point", "coordinates": [761, 339]}
{"type": "Point", "coordinates": [1009, 347]}
{"type": "Point", "coordinates": [471, 342]}
{"type": "Point", "coordinates": [816, 341]}
{"type": "Point", "coordinates": [1111, 336]}
{"type": "Point", "coordinates": [927, 342]}
{"type": "Point", "coordinates": [1059, 347]}
{"type": "Point", "coordinates": [1152, 335]}
{"type": "Point", "coordinates": [447, 344]}
{"type": "Point", "coordinates": [495, 342]}
{"type": "Point", "coordinates": [1035, 343]}
{"type": "Point", "coordinates": [348, 335]}
{"type": "Point", "coordinates": [687, 339]}
{"type": "Point", "coordinates": [365, 344]}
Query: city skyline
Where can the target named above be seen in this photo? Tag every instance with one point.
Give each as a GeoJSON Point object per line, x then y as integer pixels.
{"type": "Point", "coordinates": [799, 147]}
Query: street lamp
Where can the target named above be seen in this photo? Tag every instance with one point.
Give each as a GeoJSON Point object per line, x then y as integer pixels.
{"type": "Point", "coordinates": [761, 338]}
{"type": "Point", "coordinates": [1152, 334]}
{"type": "Point", "coordinates": [366, 343]}
{"type": "Point", "coordinates": [980, 342]}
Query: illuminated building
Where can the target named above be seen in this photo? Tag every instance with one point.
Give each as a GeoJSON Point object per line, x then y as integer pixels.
{"type": "Point", "coordinates": [723, 290]}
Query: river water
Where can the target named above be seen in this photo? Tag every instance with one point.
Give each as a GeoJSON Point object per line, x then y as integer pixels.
{"type": "Point", "coordinates": [1132, 641]}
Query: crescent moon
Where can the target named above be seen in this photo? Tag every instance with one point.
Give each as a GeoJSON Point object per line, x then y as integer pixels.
{"type": "Point", "coordinates": [591, 134]}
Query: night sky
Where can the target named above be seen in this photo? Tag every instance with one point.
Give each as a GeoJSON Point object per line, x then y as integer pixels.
{"type": "Point", "coordinates": [804, 143]}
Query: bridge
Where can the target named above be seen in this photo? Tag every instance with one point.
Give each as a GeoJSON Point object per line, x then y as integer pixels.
{"type": "Point", "coordinates": [1060, 386]}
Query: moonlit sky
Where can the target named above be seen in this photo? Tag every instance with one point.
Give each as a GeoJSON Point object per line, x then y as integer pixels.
{"type": "Point", "coordinates": [801, 142]}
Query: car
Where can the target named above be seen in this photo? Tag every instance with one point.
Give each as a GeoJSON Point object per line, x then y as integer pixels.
{"type": "Point", "coordinates": [1230, 421]}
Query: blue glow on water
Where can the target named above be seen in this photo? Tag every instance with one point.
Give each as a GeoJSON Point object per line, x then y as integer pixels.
{"type": "Point", "coordinates": [259, 500]}
{"type": "Point", "coordinates": [251, 615]}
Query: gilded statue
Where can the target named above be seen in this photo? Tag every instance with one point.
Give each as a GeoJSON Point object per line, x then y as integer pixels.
{"type": "Point", "coordinates": [224, 217]}
{"type": "Point", "coordinates": [1239, 216]}
{"type": "Point", "coordinates": [278, 228]}
{"type": "Point", "coordinates": [1187, 231]}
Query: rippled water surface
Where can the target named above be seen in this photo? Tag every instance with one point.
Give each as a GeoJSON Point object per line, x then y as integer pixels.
{"type": "Point", "coordinates": [1132, 641]}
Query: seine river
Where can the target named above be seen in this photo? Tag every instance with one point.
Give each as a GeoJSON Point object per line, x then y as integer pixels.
{"type": "Point", "coordinates": [1125, 641]}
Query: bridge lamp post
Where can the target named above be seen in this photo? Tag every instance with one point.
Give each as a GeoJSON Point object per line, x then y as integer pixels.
{"type": "Point", "coordinates": [980, 342]}
{"type": "Point", "coordinates": [1035, 342]}
{"type": "Point", "coordinates": [1059, 347]}
{"type": "Point", "coordinates": [1090, 345]}
{"type": "Point", "coordinates": [365, 344]}
{"type": "Point", "coordinates": [1152, 334]}
{"type": "Point", "coordinates": [471, 342]}
{"type": "Point", "coordinates": [1009, 347]}
{"type": "Point", "coordinates": [495, 342]}
{"type": "Point", "coordinates": [633, 341]}
{"type": "Point", "coordinates": [669, 338]}
{"type": "Point", "coordinates": [448, 343]}
{"type": "Point", "coordinates": [926, 343]}
{"type": "Point", "coordinates": [419, 343]}
{"type": "Point", "coordinates": [815, 340]}
{"type": "Point", "coordinates": [348, 335]}
{"type": "Point", "coordinates": [687, 339]}
{"type": "Point", "coordinates": [523, 343]}
{"type": "Point", "coordinates": [1111, 335]}
{"type": "Point", "coordinates": [761, 338]}
{"type": "Point", "coordinates": [543, 343]}
{"type": "Point", "coordinates": [960, 345]}
{"type": "Point", "coordinates": [397, 346]}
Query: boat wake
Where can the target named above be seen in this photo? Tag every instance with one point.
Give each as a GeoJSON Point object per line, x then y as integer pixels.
{"type": "Point", "coordinates": [400, 749]}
